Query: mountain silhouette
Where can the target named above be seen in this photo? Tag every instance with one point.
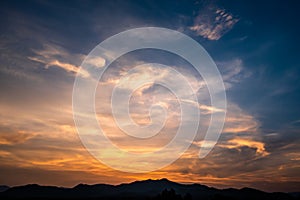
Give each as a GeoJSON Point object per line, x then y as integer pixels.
{"type": "Point", "coordinates": [162, 189]}
{"type": "Point", "coordinates": [3, 188]}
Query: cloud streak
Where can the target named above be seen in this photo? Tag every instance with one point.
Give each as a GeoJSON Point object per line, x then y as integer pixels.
{"type": "Point", "coordinates": [53, 55]}
{"type": "Point", "coordinates": [212, 23]}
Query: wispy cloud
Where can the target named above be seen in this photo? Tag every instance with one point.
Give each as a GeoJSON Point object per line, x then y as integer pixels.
{"type": "Point", "coordinates": [55, 56]}
{"type": "Point", "coordinates": [11, 138]}
{"type": "Point", "coordinates": [212, 23]}
{"type": "Point", "coordinates": [237, 143]}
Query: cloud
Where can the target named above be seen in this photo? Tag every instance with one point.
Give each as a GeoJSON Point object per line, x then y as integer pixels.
{"type": "Point", "coordinates": [205, 109]}
{"type": "Point", "coordinates": [237, 143]}
{"type": "Point", "coordinates": [53, 55]}
{"type": "Point", "coordinates": [212, 23]}
{"type": "Point", "coordinates": [11, 138]}
{"type": "Point", "coordinates": [233, 70]}
{"type": "Point", "coordinates": [239, 121]}
{"type": "Point", "coordinates": [96, 61]}
{"type": "Point", "coordinates": [240, 130]}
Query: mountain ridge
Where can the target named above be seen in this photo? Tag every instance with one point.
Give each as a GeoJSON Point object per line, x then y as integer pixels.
{"type": "Point", "coordinates": [145, 189]}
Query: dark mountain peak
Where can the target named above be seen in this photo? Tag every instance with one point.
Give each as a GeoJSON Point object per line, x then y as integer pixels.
{"type": "Point", "coordinates": [3, 188]}
{"type": "Point", "coordinates": [163, 180]}
{"type": "Point", "coordinates": [92, 188]}
{"type": "Point", "coordinates": [81, 185]}
{"type": "Point", "coordinates": [30, 185]}
{"type": "Point", "coordinates": [152, 183]}
{"type": "Point", "coordinates": [166, 181]}
{"type": "Point", "coordinates": [250, 190]}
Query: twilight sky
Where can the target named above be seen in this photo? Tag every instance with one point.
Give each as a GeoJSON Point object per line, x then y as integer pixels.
{"type": "Point", "coordinates": [254, 45]}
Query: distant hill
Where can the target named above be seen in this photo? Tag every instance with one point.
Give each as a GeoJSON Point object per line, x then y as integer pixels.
{"type": "Point", "coordinates": [3, 188]}
{"type": "Point", "coordinates": [162, 189]}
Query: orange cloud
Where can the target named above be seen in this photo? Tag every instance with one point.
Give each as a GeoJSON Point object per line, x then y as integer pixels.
{"type": "Point", "coordinates": [242, 142]}
{"type": "Point", "coordinates": [14, 137]}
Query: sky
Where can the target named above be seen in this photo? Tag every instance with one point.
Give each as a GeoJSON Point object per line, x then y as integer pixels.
{"type": "Point", "coordinates": [253, 43]}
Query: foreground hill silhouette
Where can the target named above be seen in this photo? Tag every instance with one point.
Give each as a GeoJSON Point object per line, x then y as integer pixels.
{"type": "Point", "coordinates": [162, 189]}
